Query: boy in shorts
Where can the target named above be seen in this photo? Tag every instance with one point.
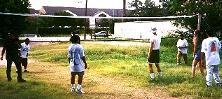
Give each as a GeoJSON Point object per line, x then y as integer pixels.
{"type": "Point", "coordinates": [76, 57]}
{"type": "Point", "coordinates": [24, 53]}
{"type": "Point", "coordinates": [154, 57]}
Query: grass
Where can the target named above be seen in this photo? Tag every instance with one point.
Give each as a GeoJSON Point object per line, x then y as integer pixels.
{"type": "Point", "coordinates": [119, 68]}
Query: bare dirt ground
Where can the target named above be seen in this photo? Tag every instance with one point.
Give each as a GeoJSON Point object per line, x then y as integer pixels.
{"type": "Point", "coordinates": [95, 86]}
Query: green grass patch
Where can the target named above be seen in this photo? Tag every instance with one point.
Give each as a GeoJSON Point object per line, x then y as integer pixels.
{"type": "Point", "coordinates": [130, 62]}
{"type": "Point", "coordinates": [124, 62]}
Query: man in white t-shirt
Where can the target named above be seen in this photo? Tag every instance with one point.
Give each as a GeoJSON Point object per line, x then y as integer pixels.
{"type": "Point", "coordinates": [210, 49]}
{"type": "Point", "coordinates": [154, 54]}
{"type": "Point", "coordinates": [182, 49]}
{"type": "Point", "coordinates": [24, 53]}
{"type": "Point", "coordinates": [76, 57]}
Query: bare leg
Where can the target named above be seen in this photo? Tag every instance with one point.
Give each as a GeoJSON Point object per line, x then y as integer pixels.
{"type": "Point", "coordinates": [80, 80]}
{"type": "Point", "coordinates": [151, 68]}
{"type": "Point", "coordinates": [194, 67]}
{"type": "Point", "coordinates": [158, 67]}
{"type": "Point", "coordinates": [178, 57]}
{"type": "Point", "coordinates": [185, 59]}
{"type": "Point", "coordinates": [201, 69]}
{"type": "Point", "coordinates": [72, 79]}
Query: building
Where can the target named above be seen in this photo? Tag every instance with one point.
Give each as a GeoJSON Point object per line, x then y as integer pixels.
{"type": "Point", "coordinates": [94, 12]}
{"type": "Point", "coordinates": [142, 29]}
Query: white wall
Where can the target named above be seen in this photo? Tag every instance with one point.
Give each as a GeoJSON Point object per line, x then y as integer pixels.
{"type": "Point", "coordinates": [142, 30]}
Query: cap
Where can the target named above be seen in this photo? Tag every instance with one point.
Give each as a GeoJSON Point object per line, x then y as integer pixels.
{"type": "Point", "coordinates": [154, 29]}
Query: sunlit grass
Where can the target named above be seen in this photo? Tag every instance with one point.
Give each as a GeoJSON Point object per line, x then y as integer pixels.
{"type": "Point", "coordinates": [126, 64]}
{"type": "Point", "coordinates": [130, 62]}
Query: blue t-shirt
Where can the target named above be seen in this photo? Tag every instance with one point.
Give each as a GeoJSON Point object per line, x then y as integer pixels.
{"type": "Point", "coordinates": [75, 54]}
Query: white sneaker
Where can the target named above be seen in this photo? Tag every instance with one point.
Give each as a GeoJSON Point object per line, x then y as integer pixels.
{"type": "Point", "coordinates": [160, 74]}
{"type": "Point", "coordinates": [72, 89]}
{"type": "Point", "coordinates": [152, 76]}
{"type": "Point", "coordinates": [79, 91]}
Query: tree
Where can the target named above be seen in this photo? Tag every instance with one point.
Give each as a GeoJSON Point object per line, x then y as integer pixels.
{"type": "Point", "coordinates": [211, 11]}
{"type": "Point", "coordinates": [137, 6]}
{"type": "Point", "coordinates": [13, 24]}
{"type": "Point", "coordinates": [148, 8]}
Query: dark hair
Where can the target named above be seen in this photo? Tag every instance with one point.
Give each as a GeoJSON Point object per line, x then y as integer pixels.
{"type": "Point", "coordinates": [27, 39]}
{"type": "Point", "coordinates": [75, 39]}
{"type": "Point", "coordinates": [211, 34]}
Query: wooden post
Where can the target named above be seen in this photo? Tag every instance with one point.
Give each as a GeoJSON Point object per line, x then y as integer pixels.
{"type": "Point", "coordinates": [199, 19]}
{"type": "Point", "coordinates": [86, 22]}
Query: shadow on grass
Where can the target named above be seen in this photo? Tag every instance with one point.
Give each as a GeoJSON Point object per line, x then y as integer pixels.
{"type": "Point", "coordinates": [169, 80]}
{"type": "Point", "coordinates": [30, 90]}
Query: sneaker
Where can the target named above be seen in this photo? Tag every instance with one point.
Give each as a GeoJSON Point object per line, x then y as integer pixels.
{"type": "Point", "coordinates": [21, 80]}
{"type": "Point", "coordinates": [160, 75]}
{"type": "Point", "coordinates": [208, 86]}
{"type": "Point", "coordinates": [152, 76]}
{"type": "Point", "coordinates": [73, 89]}
{"type": "Point", "coordinates": [218, 85]}
{"type": "Point", "coordinates": [178, 64]}
{"type": "Point", "coordinates": [79, 91]}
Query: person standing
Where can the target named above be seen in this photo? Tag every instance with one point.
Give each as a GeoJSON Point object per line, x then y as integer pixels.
{"type": "Point", "coordinates": [182, 45]}
{"type": "Point", "coordinates": [76, 56]}
{"type": "Point", "coordinates": [153, 55]}
{"type": "Point", "coordinates": [197, 41]}
{"type": "Point", "coordinates": [24, 53]}
{"type": "Point", "coordinates": [210, 49]}
{"type": "Point", "coordinates": [11, 46]}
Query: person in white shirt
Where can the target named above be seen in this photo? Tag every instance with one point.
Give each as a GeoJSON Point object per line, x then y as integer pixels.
{"type": "Point", "coordinates": [210, 49]}
{"type": "Point", "coordinates": [76, 58]}
{"type": "Point", "coordinates": [24, 50]}
{"type": "Point", "coordinates": [182, 49]}
{"type": "Point", "coordinates": [153, 55]}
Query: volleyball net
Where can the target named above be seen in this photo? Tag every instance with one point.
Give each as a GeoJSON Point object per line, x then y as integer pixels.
{"type": "Point", "coordinates": [118, 27]}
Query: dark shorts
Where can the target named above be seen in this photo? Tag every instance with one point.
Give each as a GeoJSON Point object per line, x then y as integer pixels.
{"type": "Point", "coordinates": [24, 61]}
{"type": "Point", "coordinates": [154, 57]}
{"type": "Point", "coordinates": [77, 73]}
{"type": "Point", "coordinates": [197, 55]}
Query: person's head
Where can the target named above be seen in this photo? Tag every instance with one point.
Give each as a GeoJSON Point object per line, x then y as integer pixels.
{"type": "Point", "coordinates": [27, 41]}
{"type": "Point", "coordinates": [154, 30]}
{"type": "Point", "coordinates": [11, 36]}
{"type": "Point", "coordinates": [75, 39]}
{"type": "Point", "coordinates": [210, 34]}
{"type": "Point", "coordinates": [196, 32]}
{"type": "Point", "coordinates": [181, 36]}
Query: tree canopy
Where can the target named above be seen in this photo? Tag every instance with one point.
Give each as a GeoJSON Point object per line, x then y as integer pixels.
{"type": "Point", "coordinates": [9, 23]}
{"type": "Point", "coordinates": [211, 11]}
{"type": "Point", "coordinates": [148, 8]}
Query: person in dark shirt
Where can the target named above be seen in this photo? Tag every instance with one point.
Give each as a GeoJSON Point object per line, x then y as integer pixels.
{"type": "Point", "coordinates": [11, 46]}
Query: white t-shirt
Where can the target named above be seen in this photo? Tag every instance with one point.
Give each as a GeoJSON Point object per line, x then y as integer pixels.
{"type": "Point", "coordinates": [211, 47]}
{"type": "Point", "coordinates": [24, 50]}
{"type": "Point", "coordinates": [75, 53]}
{"type": "Point", "coordinates": [182, 43]}
{"type": "Point", "coordinates": [156, 42]}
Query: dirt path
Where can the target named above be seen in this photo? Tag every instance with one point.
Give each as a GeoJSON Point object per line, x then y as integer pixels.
{"type": "Point", "coordinates": [95, 86]}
